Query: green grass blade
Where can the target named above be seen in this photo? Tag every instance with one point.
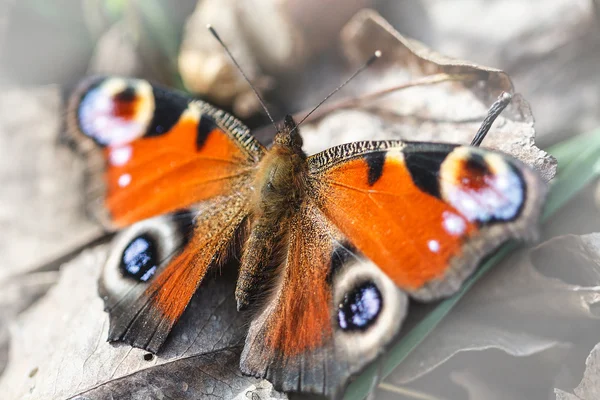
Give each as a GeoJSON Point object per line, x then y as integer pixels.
{"type": "Point", "coordinates": [579, 165]}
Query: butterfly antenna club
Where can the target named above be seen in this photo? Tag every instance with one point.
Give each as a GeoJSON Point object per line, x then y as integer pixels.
{"type": "Point", "coordinates": [499, 105]}
{"type": "Point", "coordinates": [376, 55]}
{"type": "Point", "coordinates": [262, 103]}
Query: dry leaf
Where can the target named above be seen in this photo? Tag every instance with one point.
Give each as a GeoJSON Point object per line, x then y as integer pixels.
{"type": "Point", "coordinates": [450, 111]}
{"type": "Point", "coordinates": [58, 347]}
{"type": "Point", "coordinates": [17, 294]}
{"type": "Point", "coordinates": [265, 37]}
{"type": "Point", "coordinates": [549, 48]}
{"type": "Point", "coordinates": [497, 376]}
{"type": "Point", "coordinates": [41, 210]}
{"type": "Point", "coordinates": [205, 67]}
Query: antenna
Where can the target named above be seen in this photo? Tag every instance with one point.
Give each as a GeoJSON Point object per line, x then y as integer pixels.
{"type": "Point", "coordinates": [370, 61]}
{"type": "Point", "coordinates": [261, 101]}
{"type": "Point", "coordinates": [499, 105]}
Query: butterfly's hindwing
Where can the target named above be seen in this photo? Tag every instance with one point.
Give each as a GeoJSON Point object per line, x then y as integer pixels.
{"type": "Point", "coordinates": [161, 151]}
{"type": "Point", "coordinates": [156, 265]}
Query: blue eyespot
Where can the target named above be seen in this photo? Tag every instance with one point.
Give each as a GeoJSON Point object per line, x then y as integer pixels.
{"type": "Point", "coordinates": [360, 307]}
{"type": "Point", "coordinates": [140, 258]}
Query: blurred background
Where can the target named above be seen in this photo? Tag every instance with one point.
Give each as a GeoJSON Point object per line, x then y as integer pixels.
{"type": "Point", "coordinates": [525, 329]}
{"type": "Point", "coordinates": [549, 48]}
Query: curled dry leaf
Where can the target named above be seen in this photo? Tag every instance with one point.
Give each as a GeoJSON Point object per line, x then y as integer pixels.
{"type": "Point", "coordinates": [524, 306]}
{"type": "Point", "coordinates": [41, 211]}
{"type": "Point", "coordinates": [58, 347]}
{"type": "Point", "coordinates": [441, 99]}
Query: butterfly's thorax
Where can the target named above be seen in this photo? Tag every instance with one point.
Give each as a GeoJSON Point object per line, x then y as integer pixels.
{"type": "Point", "coordinates": [280, 182]}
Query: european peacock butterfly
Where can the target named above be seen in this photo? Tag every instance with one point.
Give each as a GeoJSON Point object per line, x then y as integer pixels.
{"type": "Point", "coordinates": [333, 244]}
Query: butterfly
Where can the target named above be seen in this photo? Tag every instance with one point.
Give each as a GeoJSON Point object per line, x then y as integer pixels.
{"type": "Point", "coordinates": [332, 245]}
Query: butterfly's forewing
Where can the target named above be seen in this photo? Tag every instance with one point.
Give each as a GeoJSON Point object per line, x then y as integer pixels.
{"type": "Point", "coordinates": [426, 213]}
{"type": "Point", "coordinates": [155, 150]}
{"type": "Point", "coordinates": [330, 312]}
{"type": "Point", "coordinates": [179, 171]}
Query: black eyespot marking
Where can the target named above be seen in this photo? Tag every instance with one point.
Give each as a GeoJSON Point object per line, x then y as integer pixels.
{"type": "Point", "coordinates": [339, 257]}
{"type": "Point", "coordinates": [128, 95]}
{"type": "Point", "coordinates": [375, 162]}
{"type": "Point", "coordinates": [205, 127]}
{"type": "Point", "coordinates": [424, 168]}
{"type": "Point", "coordinates": [168, 107]}
{"type": "Point", "coordinates": [148, 357]}
{"type": "Point", "coordinates": [360, 307]}
{"type": "Point", "coordinates": [140, 258]}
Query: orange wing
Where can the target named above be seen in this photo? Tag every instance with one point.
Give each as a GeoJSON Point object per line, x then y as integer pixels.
{"type": "Point", "coordinates": [160, 151]}
{"type": "Point", "coordinates": [425, 213]}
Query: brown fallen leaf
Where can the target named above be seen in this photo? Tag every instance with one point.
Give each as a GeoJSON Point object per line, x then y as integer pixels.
{"type": "Point", "coordinates": [511, 307]}
{"type": "Point", "coordinates": [265, 37]}
{"type": "Point", "coordinates": [549, 48]}
{"type": "Point", "coordinates": [58, 347]}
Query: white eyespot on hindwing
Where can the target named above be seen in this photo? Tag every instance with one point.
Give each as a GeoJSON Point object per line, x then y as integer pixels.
{"type": "Point", "coordinates": [139, 252]}
{"type": "Point", "coordinates": [482, 186]}
{"type": "Point", "coordinates": [368, 308]}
